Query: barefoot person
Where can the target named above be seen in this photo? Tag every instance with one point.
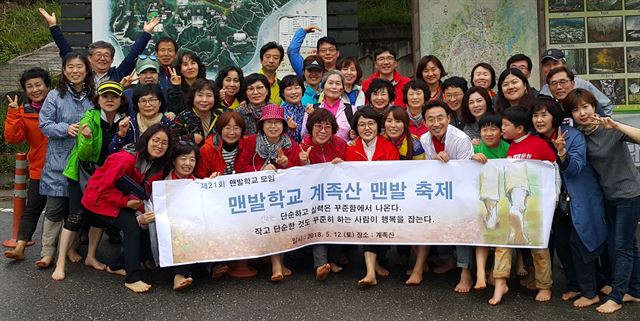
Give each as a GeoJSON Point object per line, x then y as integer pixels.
{"type": "Point", "coordinates": [396, 130]}
{"type": "Point", "coordinates": [491, 147]}
{"type": "Point", "coordinates": [270, 149]}
{"type": "Point", "coordinates": [322, 146]}
{"type": "Point", "coordinates": [445, 142]}
{"type": "Point", "coordinates": [608, 154]}
{"type": "Point", "coordinates": [370, 146]}
{"type": "Point", "coordinates": [59, 121]}
{"type": "Point", "coordinates": [21, 125]}
{"type": "Point", "coordinates": [102, 198]}
{"type": "Point", "coordinates": [579, 231]}
{"type": "Point", "coordinates": [97, 128]}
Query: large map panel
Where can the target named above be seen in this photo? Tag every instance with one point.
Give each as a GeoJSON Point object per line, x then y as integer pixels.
{"type": "Point", "coordinates": [463, 33]}
{"type": "Point", "coordinates": [222, 33]}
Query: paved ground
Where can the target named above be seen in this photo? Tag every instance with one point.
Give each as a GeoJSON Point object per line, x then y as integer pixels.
{"type": "Point", "coordinates": [30, 294]}
{"type": "Point", "coordinates": [45, 57]}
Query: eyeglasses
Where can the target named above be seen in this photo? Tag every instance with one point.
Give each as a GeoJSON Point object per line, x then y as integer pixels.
{"type": "Point", "coordinates": [150, 101]}
{"type": "Point", "coordinates": [370, 124]}
{"type": "Point", "coordinates": [453, 95]}
{"type": "Point", "coordinates": [319, 126]}
{"type": "Point", "coordinates": [158, 141]}
{"type": "Point", "coordinates": [257, 88]}
{"type": "Point", "coordinates": [101, 55]}
{"type": "Point", "coordinates": [151, 57]}
{"type": "Point", "coordinates": [387, 59]}
{"type": "Point", "coordinates": [561, 82]}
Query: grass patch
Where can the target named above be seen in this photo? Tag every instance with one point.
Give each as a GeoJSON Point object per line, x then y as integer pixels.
{"type": "Point", "coordinates": [22, 29]}
{"type": "Point", "coordinates": [384, 12]}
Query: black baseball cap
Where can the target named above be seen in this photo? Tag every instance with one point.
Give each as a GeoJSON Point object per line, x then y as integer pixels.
{"type": "Point", "coordinates": [555, 54]}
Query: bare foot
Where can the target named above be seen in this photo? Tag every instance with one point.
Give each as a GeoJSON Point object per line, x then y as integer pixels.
{"type": "Point", "coordinates": [58, 274]}
{"type": "Point", "coordinates": [583, 302]}
{"type": "Point", "coordinates": [335, 268]}
{"type": "Point", "coordinates": [277, 277]}
{"type": "Point", "coordinates": [606, 289]}
{"type": "Point", "coordinates": [481, 281]}
{"type": "Point", "coordinates": [44, 262]}
{"type": "Point", "coordinates": [500, 290]}
{"type": "Point", "coordinates": [323, 271]}
{"type": "Point", "coordinates": [367, 281]}
{"type": "Point", "coordinates": [117, 272]}
{"type": "Point", "coordinates": [73, 255]}
{"type": "Point", "coordinates": [609, 307]}
{"type": "Point", "coordinates": [414, 279]}
{"type": "Point", "coordinates": [521, 271]}
{"type": "Point", "coordinates": [465, 283]}
{"type": "Point", "coordinates": [286, 271]}
{"type": "Point", "coordinates": [94, 263]}
{"type": "Point", "coordinates": [180, 282]}
{"type": "Point", "coordinates": [380, 270]}
{"type": "Point", "coordinates": [138, 287]}
{"type": "Point", "coordinates": [630, 299]}
{"type": "Point", "coordinates": [491, 280]}
{"type": "Point", "coordinates": [543, 295]}
{"type": "Point", "coordinates": [570, 295]}
{"type": "Point", "coordinates": [529, 282]}
{"type": "Point", "coordinates": [14, 255]}
{"type": "Point", "coordinates": [219, 270]}
{"type": "Point", "coordinates": [447, 266]}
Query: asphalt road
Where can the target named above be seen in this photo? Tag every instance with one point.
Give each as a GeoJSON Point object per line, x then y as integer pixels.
{"type": "Point", "coordinates": [86, 294]}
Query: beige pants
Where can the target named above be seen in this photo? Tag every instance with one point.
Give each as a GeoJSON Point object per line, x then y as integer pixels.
{"type": "Point", "coordinates": [541, 263]}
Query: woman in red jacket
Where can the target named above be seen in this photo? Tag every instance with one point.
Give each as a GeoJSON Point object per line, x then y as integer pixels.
{"type": "Point", "coordinates": [22, 124]}
{"type": "Point", "coordinates": [270, 149]}
{"type": "Point", "coordinates": [371, 146]}
{"type": "Point", "coordinates": [101, 197]}
{"type": "Point", "coordinates": [221, 149]}
{"type": "Point", "coordinates": [322, 146]}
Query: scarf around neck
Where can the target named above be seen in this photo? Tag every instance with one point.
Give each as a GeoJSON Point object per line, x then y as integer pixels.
{"type": "Point", "coordinates": [267, 150]}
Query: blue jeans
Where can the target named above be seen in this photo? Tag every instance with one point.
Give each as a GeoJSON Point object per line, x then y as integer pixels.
{"type": "Point", "coordinates": [623, 216]}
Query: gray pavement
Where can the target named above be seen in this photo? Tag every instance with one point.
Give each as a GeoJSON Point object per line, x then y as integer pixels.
{"type": "Point", "coordinates": [30, 294]}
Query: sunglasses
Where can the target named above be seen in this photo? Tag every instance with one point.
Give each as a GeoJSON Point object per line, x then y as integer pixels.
{"type": "Point", "coordinates": [143, 57]}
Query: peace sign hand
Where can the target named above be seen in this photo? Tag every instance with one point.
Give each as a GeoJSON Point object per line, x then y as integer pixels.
{"type": "Point", "coordinates": [128, 80]}
{"type": "Point", "coordinates": [13, 103]}
{"type": "Point", "coordinates": [175, 79]}
{"type": "Point", "coordinates": [559, 143]}
{"type": "Point", "coordinates": [304, 154]}
{"type": "Point", "coordinates": [282, 159]}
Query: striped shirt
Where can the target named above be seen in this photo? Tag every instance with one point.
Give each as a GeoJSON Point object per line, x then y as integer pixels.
{"type": "Point", "coordinates": [229, 159]}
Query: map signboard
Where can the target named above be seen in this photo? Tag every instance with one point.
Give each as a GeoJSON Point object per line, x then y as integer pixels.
{"type": "Point", "coordinates": [601, 40]}
{"type": "Point", "coordinates": [463, 33]}
{"type": "Point", "coordinates": [220, 32]}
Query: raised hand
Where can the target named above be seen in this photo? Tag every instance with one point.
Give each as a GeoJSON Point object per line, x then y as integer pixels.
{"type": "Point", "coordinates": [73, 130]}
{"type": "Point", "coordinates": [312, 28]}
{"type": "Point", "coordinates": [123, 127]}
{"type": "Point", "coordinates": [175, 79]}
{"type": "Point", "coordinates": [309, 109]}
{"type": "Point", "coordinates": [50, 18]}
{"type": "Point", "coordinates": [13, 103]}
{"type": "Point", "coordinates": [304, 154]}
{"type": "Point", "coordinates": [281, 158]}
{"type": "Point", "coordinates": [128, 80]}
{"type": "Point", "coordinates": [148, 26]}
{"type": "Point", "coordinates": [559, 143]}
{"type": "Point", "coordinates": [85, 131]}
{"type": "Point", "coordinates": [292, 123]}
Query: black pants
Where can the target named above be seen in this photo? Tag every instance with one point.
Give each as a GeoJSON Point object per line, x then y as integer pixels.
{"type": "Point", "coordinates": [33, 210]}
{"type": "Point", "coordinates": [131, 243]}
{"type": "Point", "coordinates": [77, 214]}
{"type": "Point", "coordinates": [579, 264]}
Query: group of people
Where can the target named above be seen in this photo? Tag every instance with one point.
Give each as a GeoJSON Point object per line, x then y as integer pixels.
{"type": "Point", "coordinates": [103, 134]}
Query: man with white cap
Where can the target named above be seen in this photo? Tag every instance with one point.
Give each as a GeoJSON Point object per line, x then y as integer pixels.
{"type": "Point", "coordinates": [553, 58]}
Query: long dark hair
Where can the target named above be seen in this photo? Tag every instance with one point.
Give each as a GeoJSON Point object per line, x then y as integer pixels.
{"type": "Point", "coordinates": [401, 114]}
{"type": "Point", "coordinates": [527, 100]}
{"type": "Point", "coordinates": [163, 162]}
{"type": "Point", "coordinates": [467, 118]}
{"type": "Point", "coordinates": [89, 84]}
{"type": "Point", "coordinates": [224, 72]}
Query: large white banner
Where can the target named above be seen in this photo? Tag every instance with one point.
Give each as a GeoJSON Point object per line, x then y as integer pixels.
{"type": "Point", "coordinates": [502, 203]}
